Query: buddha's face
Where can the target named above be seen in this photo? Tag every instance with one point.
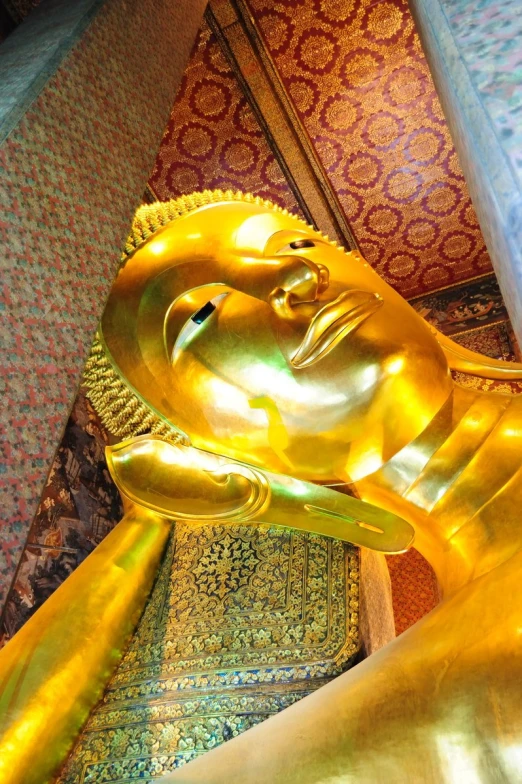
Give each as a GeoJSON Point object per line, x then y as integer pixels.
{"type": "Point", "coordinates": [263, 341]}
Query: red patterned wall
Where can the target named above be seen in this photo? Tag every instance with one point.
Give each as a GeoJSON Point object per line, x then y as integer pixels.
{"type": "Point", "coordinates": [358, 78]}
{"type": "Point", "coordinates": [213, 139]}
{"type": "Point", "coordinates": [414, 588]}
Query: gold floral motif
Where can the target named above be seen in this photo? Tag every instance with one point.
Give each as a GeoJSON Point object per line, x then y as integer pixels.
{"type": "Point", "coordinates": [385, 20]}
{"type": "Point", "coordinates": [243, 621]}
{"type": "Point", "coordinates": [225, 566]}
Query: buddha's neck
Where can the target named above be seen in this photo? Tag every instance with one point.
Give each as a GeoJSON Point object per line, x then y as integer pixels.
{"type": "Point", "coordinates": [460, 485]}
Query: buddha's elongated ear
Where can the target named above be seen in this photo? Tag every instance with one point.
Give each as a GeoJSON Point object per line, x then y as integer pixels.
{"type": "Point", "coordinates": [184, 483]}
{"type": "Point", "coordinates": [474, 364]}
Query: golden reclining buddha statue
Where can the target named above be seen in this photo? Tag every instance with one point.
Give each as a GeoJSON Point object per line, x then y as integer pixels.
{"type": "Point", "coordinates": [253, 369]}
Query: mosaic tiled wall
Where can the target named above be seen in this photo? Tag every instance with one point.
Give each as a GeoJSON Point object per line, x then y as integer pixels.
{"type": "Point", "coordinates": [71, 175]}
{"type": "Point", "coordinates": [361, 85]}
{"type": "Point", "coordinates": [473, 49]}
{"type": "Point", "coordinates": [213, 139]}
{"type": "Point", "coordinates": [489, 35]}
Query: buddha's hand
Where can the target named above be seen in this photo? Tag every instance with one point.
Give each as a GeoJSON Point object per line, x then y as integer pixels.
{"type": "Point", "coordinates": [185, 483]}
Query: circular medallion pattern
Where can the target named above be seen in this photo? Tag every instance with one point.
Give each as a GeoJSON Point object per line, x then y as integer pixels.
{"type": "Point", "coordinates": [363, 170]}
{"type": "Point", "coordinates": [440, 198]}
{"type": "Point", "coordinates": [456, 245]}
{"type": "Point", "coordinates": [184, 178]}
{"type": "Point", "coordinates": [372, 252]}
{"type": "Point", "coordinates": [276, 28]}
{"type": "Point", "coordinates": [316, 51]}
{"type": "Point", "coordinates": [214, 59]}
{"type": "Point", "coordinates": [244, 120]}
{"type": "Point", "coordinates": [421, 233]}
{"type": "Point", "coordinates": [424, 146]}
{"type": "Point", "coordinates": [196, 141]}
{"type": "Point", "coordinates": [404, 86]}
{"type": "Point", "coordinates": [401, 265]}
{"type": "Point", "coordinates": [383, 220]}
{"type": "Point", "coordinates": [403, 185]}
{"type": "Point", "coordinates": [383, 21]}
{"type": "Point", "coordinates": [468, 217]}
{"type": "Point", "coordinates": [360, 67]}
{"type": "Point", "coordinates": [330, 152]}
{"type": "Point", "coordinates": [213, 139]}
{"type": "Point", "coordinates": [339, 114]}
{"type": "Point", "coordinates": [272, 174]}
{"type": "Point", "coordinates": [336, 11]}
{"type": "Point", "coordinates": [435, 275]}
{"type": "Point", "coordinates": [352, 203]}
{"type": "Point", "coordinates": [304, 94]}
{"type": "Point", "coordinates": [383, 131]}
{"type": "Point", "coordinates": [239, 155]}
{"type": "Point", "coordinates": [434, 110]}
{"type": "Point", "coordinates": [481, 262]}
{"type": "Point", "coordinates": [454, 166]}
{"type": "Point", "coordinates": [210, 99]}
{"type": "Point", "coordinates": [357, 77]}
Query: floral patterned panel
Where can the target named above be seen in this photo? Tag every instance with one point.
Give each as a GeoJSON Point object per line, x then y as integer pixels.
{"type": "Point", "coordinates": [243, 621]}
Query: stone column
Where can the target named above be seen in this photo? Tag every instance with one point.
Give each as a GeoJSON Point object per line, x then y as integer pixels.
{"type": "Point", "coordinates": [86, 89]}
{"type": "Point", "coordinates": [473, 50]}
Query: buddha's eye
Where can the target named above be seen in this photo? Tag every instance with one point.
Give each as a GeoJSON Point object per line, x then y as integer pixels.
{"type": "Point", "coordinates": [203, 313]}
{"type": "Point", "coordinates": [298, 244]}
{"type": "Point", "coordinates": [194, 323]}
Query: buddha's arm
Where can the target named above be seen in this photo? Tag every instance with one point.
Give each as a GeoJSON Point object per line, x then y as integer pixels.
{"type": "Point", "coordinates": [438, 705]}
{"type": "Point", "coordinates": [56, 667]}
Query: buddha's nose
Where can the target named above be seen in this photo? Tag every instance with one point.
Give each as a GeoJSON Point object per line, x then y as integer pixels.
{"type": "Point", "coordinates": [302, 283]}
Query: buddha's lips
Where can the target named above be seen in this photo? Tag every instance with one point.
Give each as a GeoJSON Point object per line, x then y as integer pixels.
{"type": "Point", "coordinates": [334, 322]}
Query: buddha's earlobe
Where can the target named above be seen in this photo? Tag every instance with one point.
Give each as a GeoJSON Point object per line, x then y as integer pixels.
{"type": "Point", "coordinates": [474, 364]}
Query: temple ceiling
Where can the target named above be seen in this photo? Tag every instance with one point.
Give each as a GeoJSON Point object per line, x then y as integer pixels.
{"type": "Point", "coordinates": [328, 108]}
